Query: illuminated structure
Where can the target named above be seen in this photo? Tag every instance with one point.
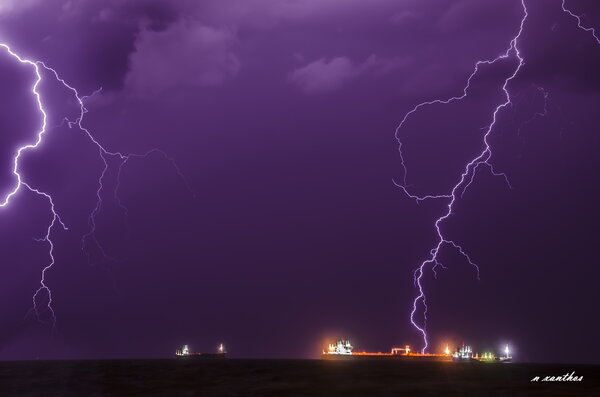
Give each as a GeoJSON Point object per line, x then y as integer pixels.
{"type": "Point", "coordinates": [489, 357]}
{"type": "Point", "coordinates": [342, 349]}
{"type": "Point", "coordinates": [465, 353]}
{"type": "Point", "coordinates": [486, 356]}
{"type": "Point", "coordinates": [184, 352]}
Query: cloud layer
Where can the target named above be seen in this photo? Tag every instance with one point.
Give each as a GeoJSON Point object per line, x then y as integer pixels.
{"type": "Point", "coordinates": [325, 75]}
{"type": "Point", "coordinates": [12, 6]}
{"type": "Point", "coordinates": [187, 54]}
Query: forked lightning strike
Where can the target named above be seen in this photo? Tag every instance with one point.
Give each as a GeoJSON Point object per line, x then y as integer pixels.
{"type": "Point", "coordinates": [465, 180]}
{"type": "Point", "coordinates": [104, 154]}
{"type": "Point", "coordinates": [468, 175]}
{"type": "Point", "coordinates": [579, 25]}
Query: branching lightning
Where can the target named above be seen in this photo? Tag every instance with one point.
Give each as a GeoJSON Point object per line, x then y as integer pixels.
{"type": "Point", "coordinates": [482, 160]}
{"type": "Point", "coordinates": [20, 183]}
{"type": "Point", "coordinates": [467, 177]}
{"type": "Point", "coordinates": [104, 154]}
{"type": "Point", "coordinates": [578, 18]}
{"type": "Point", "coordinates": [123, 158]}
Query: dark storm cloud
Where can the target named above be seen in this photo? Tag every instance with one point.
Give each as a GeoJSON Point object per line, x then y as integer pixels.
{"type": "Point", "coordinates": [87, 33]}
{"type": "Point", "coordinates": [121, 32]}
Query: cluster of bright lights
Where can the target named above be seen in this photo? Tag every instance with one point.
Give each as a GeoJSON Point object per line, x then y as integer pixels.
{"type": "Point", "coordinates": [340, 347]}
{"type": "Point", "coordinates": [465, 352]}
{"type": "Point", "coordinates": [184, 351]}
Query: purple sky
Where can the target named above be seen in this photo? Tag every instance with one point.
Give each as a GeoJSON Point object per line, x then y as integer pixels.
{"type": "Point", "coordinates": [281, 116]}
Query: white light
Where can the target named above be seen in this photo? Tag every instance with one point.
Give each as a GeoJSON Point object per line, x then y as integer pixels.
{"type": "Point", "coordinates": [340, 347]}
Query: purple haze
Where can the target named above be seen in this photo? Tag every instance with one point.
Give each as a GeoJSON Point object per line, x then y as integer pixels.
{"type": "Point", "coordinates": [281, 116]}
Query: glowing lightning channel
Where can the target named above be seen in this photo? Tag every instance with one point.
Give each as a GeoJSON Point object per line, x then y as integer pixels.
{"type": "Point", "coordinates": [578, 18]}
{"type": "Point", "coordinates": [466, 178]}
{"type": "Point", "coordinates": [104, 154]}
{"type": "Point", "coordinates": [55, 216]}
{"type": "Point", "coordinates": [43, 287]}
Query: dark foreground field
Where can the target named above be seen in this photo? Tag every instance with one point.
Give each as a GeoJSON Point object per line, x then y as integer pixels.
{"type": "Point", "coordinates": [233, 377]}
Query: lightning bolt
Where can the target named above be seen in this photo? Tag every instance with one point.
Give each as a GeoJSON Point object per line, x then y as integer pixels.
{"type": "Point", "coordinates": [578, 18]}
{"type": "Point", "coordinates": [471, 168]}
{"type": "Point", "coordinates": [482, 160]}
{"type": "Point", "coordinates": [56, 219]}
{"type": "Point", "coordinates": [43, 288]}
{"type": "Point", "coordinates": [104, 155]}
